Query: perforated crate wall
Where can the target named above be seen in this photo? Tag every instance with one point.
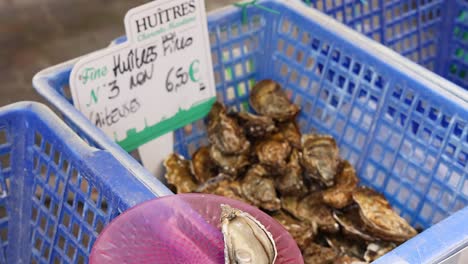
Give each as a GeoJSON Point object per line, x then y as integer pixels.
{"type": "Point", "coordinates": [57, 194]}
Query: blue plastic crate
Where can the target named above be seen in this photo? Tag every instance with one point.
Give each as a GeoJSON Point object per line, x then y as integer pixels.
{"type": "Point", "coordinates": [57, 193]}
{"type": "Point", "coordinates": [403, 127]}
{"type": "Point", "coordinates": [432, 33]}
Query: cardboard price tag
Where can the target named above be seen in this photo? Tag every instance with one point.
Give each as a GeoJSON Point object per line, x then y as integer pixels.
{"type": "Point", "coordinates": [159, 80]}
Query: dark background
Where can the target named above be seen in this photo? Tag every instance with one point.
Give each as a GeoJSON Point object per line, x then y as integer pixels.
{"type": "Point", "coordinates": [36, 34]}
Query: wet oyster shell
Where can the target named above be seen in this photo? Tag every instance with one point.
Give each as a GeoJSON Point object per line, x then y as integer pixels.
{"type": "Point", "coordinates": [312, 209]}
{"type": "Point", "coordinates": [259, 189]}
{"type": "Point", "coordinates": [378, 249]}
{"type": "Point", "coordinates": [316, 254]}
{"type": "Point", "coordinates": [348, 247]}
{"type": "Point", "coordinates": [273, 154]}
{"type": "Point", "coordinates": [268, 99]}
{"type": "Point", "coordinates": [290, 131]}
{"type": "Point", "coordinates": [222, 185]}
{"type": "Point", "coordinates": [246, 240]}
{"type": "Point", "coordinates": [229, 164]}
{"type": "Point", "coordinates": [224, 132]}
{"type": "Point", "coordinates": [352, 225]}
{"type": "Point", "coordinates": [349, 260]}
{"type": "Point", "coordinates": [302, 232]}
{"type": "Point", "coordinates": [379, 218]}
{"type": "Point", "coordinates": [291, 182]}
{"type": "Point", "coordinates": [178, 174]}
{"type": "Point", "coordinates": [203, 167]}
{"type": "Point", "coordinates": [255, 126]}
{"type": "Point", "coordinates": [320, 157]}
{"type": "Point", "coordinates": [341, 194]}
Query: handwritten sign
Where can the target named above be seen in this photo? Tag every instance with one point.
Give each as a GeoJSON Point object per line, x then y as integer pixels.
{"type": "Point", "coordinates": [159, 80]}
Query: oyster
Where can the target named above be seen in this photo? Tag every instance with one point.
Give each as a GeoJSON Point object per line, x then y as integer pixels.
{"type": "Point", "coordinates": [268, 99]}
{"type": "Point", "coordinates": [348, 247]}
{"type": "Point", "coordinates": [291, 133]}
{"type": "Point", "coordinates": [230, 164]}
{"type": "Point", "coordinates": [341, 194]}
{"type": "Point", "coordinates": [222, 185]}
{"type": "Point", "coordinates": [320, 157]}
{"type": "Point", "coordinates": [255, 126]}
{"type": "Point", "coordinates": [246, 240]}
{"type": "Point", "coordinates": [379, 218]}
{"type": "Point", "coordinates": [302, 232]}
{"type": "Point", "coordinates": [352, 225]}
{"type": "Point", "coordinates": [316, 254]}
{"type": "Point", "coordinates": [203, 166]}
{"type": "Point", "coordinates": [273, 154]}
{"type": "Point", "coordinates": [178, 174]}
{"type": "Point", "coordinates": [291, 182]}
{"type": "Point", "coordinates": [259, 189]}
{"type": "Point", "coordinates": [348, 260]}
{"type": "Point", "coordinates": [224, 132]}
{"type": "Point", "coordinates": [377, 250]}
{"type": "Point", "coordinates": [312, 209]}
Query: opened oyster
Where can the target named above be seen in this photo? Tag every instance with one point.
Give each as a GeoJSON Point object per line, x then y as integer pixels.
{"type": "Point", "coordinates": [291, 182]}
{"type": "Point", "coordinates": [178, 174]}
{"type": "Point", "coordinates": [246, 240]}
{"type": "Point", "coordinates": [259, 189]}
{"type": "Point", "coordinates": [255, 126]}
{"type": "Point", "coordinates": [341, 194]}
{"type": "Point", "coordinates": [224, 132]}
{"type": "Point", "coordinates": [268, 99]}
{"type": "Point", "coordinates": [320, 157]}
{"type": "Point", "coordinates": [379, 218]}
{"type": "Point", "coordinates": [203, 166]}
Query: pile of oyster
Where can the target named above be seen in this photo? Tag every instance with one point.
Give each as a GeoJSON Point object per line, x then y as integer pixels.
{"type": "Point", "coordinates": [300, 180]}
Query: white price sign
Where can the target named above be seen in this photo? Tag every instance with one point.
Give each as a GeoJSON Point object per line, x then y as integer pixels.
{"type": "Point", "coordinates": [159, 80]}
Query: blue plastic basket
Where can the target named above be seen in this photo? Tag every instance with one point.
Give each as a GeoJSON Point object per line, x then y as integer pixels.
{"type": "Point", "coordinates": [433, 33]}
{"type": "Point", "coordinates": [57, 193]}
{"type": "Point", "coordinates": [403, 127]}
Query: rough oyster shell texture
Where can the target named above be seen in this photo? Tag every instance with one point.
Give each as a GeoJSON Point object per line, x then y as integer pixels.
{"type": "Point", "coordinates": [300, 180]}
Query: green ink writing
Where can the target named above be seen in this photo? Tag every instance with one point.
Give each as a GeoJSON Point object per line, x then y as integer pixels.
{"type": "Point", "coordinates": [92, 74]}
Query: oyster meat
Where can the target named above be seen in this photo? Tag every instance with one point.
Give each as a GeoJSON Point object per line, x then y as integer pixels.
{"type": "Point", "coordinates": [259, 189]}
{"type": "Point", "coordinates": [224, 132]}
{"type": "Point", "coordinates": [320, 157]}
{"type": "Point", "coordinates": [246, 240]}
{"type": "Point", "coordinates": [178, 174]}
{"type": "Point", "coordinates": [203, 167]}
{"type": "Point", "coordinates": [273, 154]}
{"type": "Point", "coordinates": [229, 164]}
{"type": "Point", "coordinates": [255, 126]}
{"type": "Point", "coordinates": [291, 182]}
{"type": "Point", "coordinates": [341, 194]}
{"type": "Point", "coordinates": [379, 218]}
{"type": "Point", "coordinates": [317, 254]}
{"type": "Point", "coordinates": [268, 99]}
{"type": "Point", "coordinates": [302, 232]}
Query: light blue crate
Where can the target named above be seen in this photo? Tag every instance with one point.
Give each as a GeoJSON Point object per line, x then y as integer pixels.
{"type": "Point", "coordinates": [403, 127]}
{"type": "Point", "coordinates": [432, 33]}
{"type": "Point", "coordinates": [57, 193]}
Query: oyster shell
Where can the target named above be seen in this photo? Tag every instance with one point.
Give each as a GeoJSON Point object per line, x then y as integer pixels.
{"type": "Point", "coordinates": [312, 209]}
{"type": "Point", "coordinates": [255, 126]}
{"type": "Point", "coordinates": [246, 240]}
{"type": "Point", "coordinates": [378, 249]}
{"type": "Point", "coordinates": [273, 154]}
{"type": "Point", "coordinates": [203, 167]}
{"type": "Point", "coordinates": [291, 133]}
{"type": "Point", "coordinates": [348, 247]}
{"type": "Point", "coordinates": [291, 182]}
{"type": "Point", "coordinates": [229, 164]}
{"type": "Point", "coordinates": [302, 232]}
{"type": "Point", "coordinates": [352, 225]}
{"type": "Point", "coordinates": [379, 218]}
{"type": "Point", "coordinates": [341, 194]}
{"type": "Point", "coordinates": [316, 254]}
{"type": "Point", "coordinates": [222, 185]}
{"type": "Point", "coordinates": [268, 99]}
{"type": "Point", "coordinates": [178, 174]}
{"type": "Point", "coordinates": [225, 133]}
{"type": "Point", "coordinates": [259, 189]}
{"type": "Point", "coordinates": [320, 157]}
{"type": "Point", "coordinates": [349, 260]}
